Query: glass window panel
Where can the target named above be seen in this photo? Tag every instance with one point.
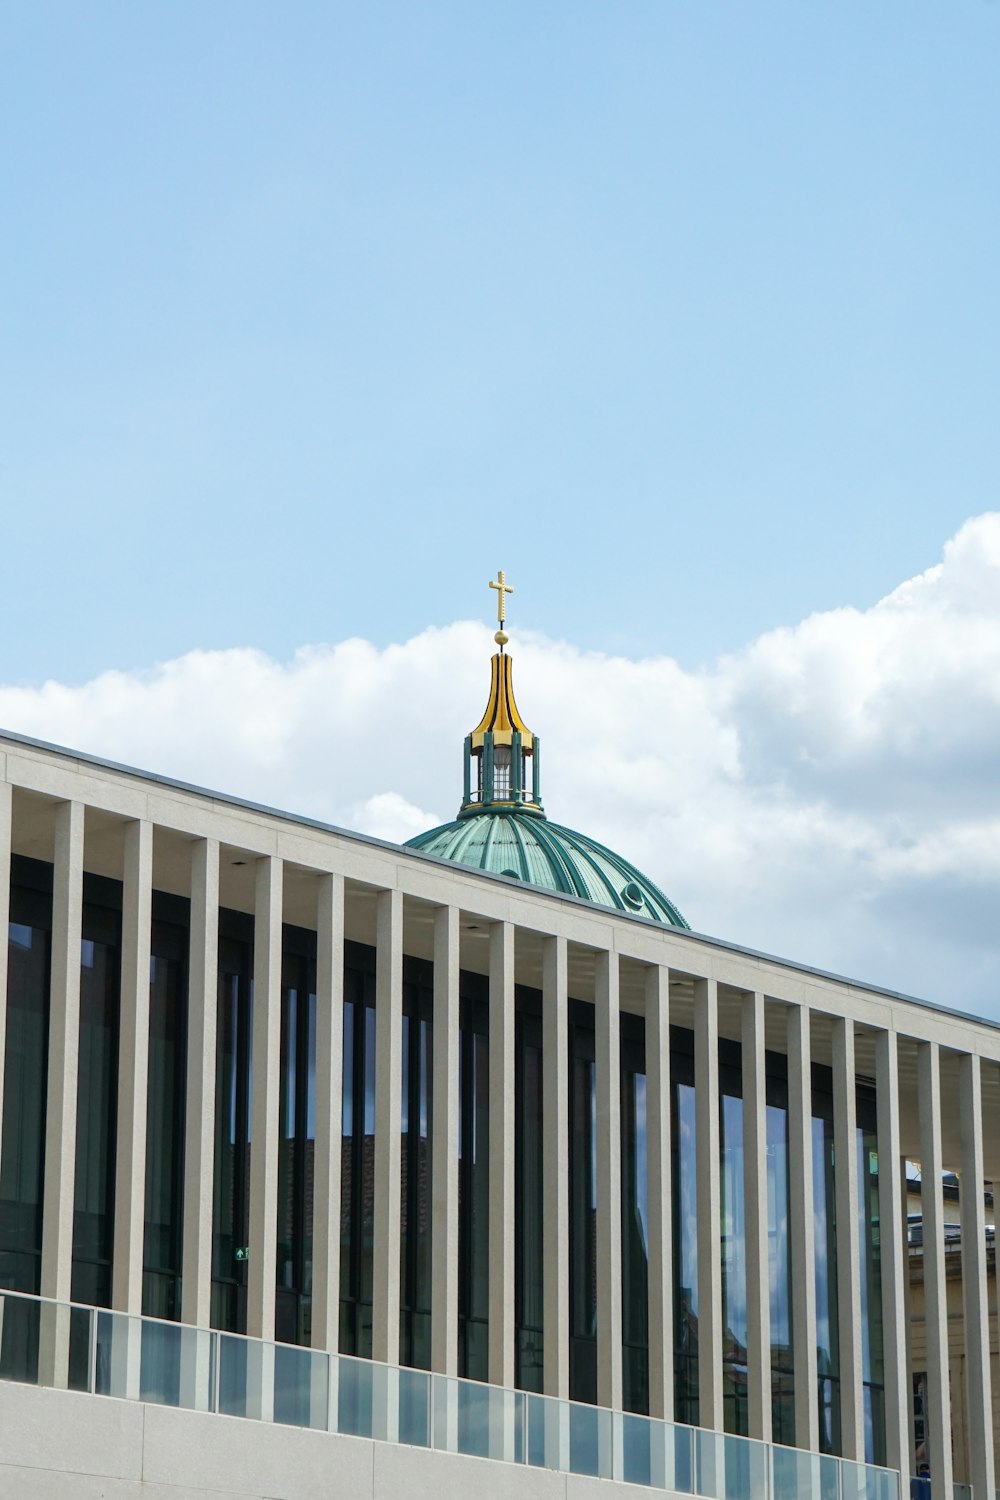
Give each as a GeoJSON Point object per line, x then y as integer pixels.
{"type": "Point", "coordinates": [782, 1385]}
{"type": "Point", "coordinates": [734, 1267]}
{"type": "Point", "coordinates": [96, 1118]}
{"type": "Point", "coordinates": [685, 1220]}
{"type": "Point", "coordinates": [165, 1103]}
{"type": "Point", "coordinates": [529, 1201]}
{"type": "Point", "coordinates": [25, 1077]}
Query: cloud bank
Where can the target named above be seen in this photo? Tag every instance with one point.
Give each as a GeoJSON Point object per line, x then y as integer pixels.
{"type": "Point", "coordinates": [830, 793]}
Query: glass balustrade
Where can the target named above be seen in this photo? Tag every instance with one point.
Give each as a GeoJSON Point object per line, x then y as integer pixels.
{"type": "Point", "coordinates": [173, 1364]}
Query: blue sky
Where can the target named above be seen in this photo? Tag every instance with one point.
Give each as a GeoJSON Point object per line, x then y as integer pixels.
{"type": "Point", "coordinates": [686, 314]}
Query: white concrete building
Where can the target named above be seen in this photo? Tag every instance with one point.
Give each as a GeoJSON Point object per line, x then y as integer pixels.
{"type": "Point", "coordinates": [488, 1184]}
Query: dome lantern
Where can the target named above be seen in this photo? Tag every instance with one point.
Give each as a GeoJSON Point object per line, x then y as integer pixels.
{"type": "Point", "coordinates": [501, 753]}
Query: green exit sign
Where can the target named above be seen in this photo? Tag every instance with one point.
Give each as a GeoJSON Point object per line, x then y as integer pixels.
{"type": "Point", "coordinates": [242, 1252]}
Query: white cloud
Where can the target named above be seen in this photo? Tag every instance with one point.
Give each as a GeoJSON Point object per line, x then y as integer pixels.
{"type": "Point", "coordinates": [830, 793]}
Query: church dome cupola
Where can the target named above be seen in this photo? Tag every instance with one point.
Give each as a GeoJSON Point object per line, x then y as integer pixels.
{"type": "Point", "coordinates": [501, 753]}
{"type": "Point", "coordinates": [502, 828]}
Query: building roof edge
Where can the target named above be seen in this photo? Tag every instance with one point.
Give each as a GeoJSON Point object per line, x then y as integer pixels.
{"type": "Point", "coordinates": [303, 821]}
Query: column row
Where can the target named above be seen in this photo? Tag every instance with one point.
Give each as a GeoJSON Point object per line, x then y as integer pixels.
{"type": "Point", "coordinates": [689, 1268]}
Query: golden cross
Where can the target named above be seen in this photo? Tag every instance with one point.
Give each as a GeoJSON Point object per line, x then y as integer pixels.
{"type": "Point", "coordinates": [502, 587]}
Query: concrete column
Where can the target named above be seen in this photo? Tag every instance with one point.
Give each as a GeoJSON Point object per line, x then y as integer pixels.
{"type": "Point", "coordinates": [845, 1158]}
{"type": "Point", "coordinates": [388, 1123]}
{"type": "Point", "coordinates": [938, 1413]}
{"type": "Point", "coordinates": [892, 1219]}
{"type": "Point", "coordinates": [64, 1045]}
{"type": "Point", "coordinates": [974, 1288]}
{"type": "Point", "coordinates": [555, 1164]}
{"type": "Point", "coordinates": [444, 1145]}
{"type": "Point", "coordinates": [263, 1267]}
{"type": "Point", "coordinates": [133, 1069]}
{"type": "Point", "coordinates": [5, 820]}
{"type": "Point", "coordinates": [199, 1137]}
{"type": "Point", "coordinates": [60, 1114]}
{"type": "Point", "coordinates": [609, 1182]}
{"type": "Point", "coordinates": [755, 1212]}
{"type": "Point", "coordinates": [706, 1074]}
{"type": "Point", "coordinates": [329, 1112]}
{"type": "Point", "coordinates": [660, 1247]}
{"type": "Point", "coordinates": [501, 1154]}
{"type": "Point", "coordinates": [801, 1231]}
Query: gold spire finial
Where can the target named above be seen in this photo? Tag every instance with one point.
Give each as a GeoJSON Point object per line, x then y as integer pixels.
{"type": "Point", "coordinates": [502, 587]}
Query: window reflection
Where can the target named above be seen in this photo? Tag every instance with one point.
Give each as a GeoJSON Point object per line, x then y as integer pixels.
{"type": "Point", "coordinates": [685, 1220]}
{"type": "Point", "coordinates": [635, 1259]}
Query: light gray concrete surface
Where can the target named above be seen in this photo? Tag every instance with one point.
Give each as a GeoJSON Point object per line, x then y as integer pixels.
{"type": "Point", "coordinates": [61, 1445]}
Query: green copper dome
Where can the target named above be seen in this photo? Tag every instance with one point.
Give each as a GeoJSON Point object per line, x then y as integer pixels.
{"type": "Point", "coordinates": [529, 847]}
{"type": "Point", "coordinates": [501, 825]}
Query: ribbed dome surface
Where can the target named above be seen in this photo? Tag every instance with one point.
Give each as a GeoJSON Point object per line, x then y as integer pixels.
{"type": "Point", "coordinates": [544, 854]}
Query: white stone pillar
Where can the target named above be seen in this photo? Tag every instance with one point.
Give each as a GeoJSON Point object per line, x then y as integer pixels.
{"type": "Point", "coordinates": [938, 1412]}
{"type": "Point", "coordinates": [388, 1123]}
{"type": "Point", "coordinates": [892, 1218]}
{"type": "Point", "coordinates": [329, 1112]}
{"type": "Point", "coordinates": [845, 1158]}
{"type": "Point", "coordinates": [60, 1119]}
{"type": "Point", "coordinates": [5, 854]}
{"type": "Point", "coordinates": [758, 1271]}
{"type": "Point", "coordinates": [659, 1192]}
{"type": "Point", "coordinates": [609, 1182]}
{"type": "Point", "coordinates": [974, 1278]}
{"type": "Point", "coordinates": [555, 1164]}
{"type": "Point", "coordinates": [263, 1268]}
{"type": "Point", "coordinates": [706, 1074]}
{"type": "Point", "coordinates": [801, 1230]}
{"type": "Point", "coordinates": [133, 1069]}
{"type": "Point", "coordinates": [444, 1144]}
{"type": "Point", "coordinates": [199, 1137]}
{"type": "Point", "coordinates": [501, 1155]}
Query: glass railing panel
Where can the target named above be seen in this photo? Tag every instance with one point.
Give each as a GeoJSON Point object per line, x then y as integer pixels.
{"type": "Point", "coordinates": [473, 1418]}
{"type": "Point", "coordinates": [484, 1421]}
{"type": "Point", "coordinates": [82, 1352]}
{"type": "Point", "coordinates": [415, 1408]}
{"type": "Point", "coordinates": [355, 1396]}
{"type": "Point", "coordinates": [869, 1482]}
{"type": "Point", "coordinates": [710, 1463]}
{"type": "Point", "coordinates": [546, 1432]}
{"type": "Point", "coordinates": [795, 1473]}
{"type": "Point", "coordinates": [117, 1354]}
{"type": "Point", "coordinates": [963, 1492]}
{"type": "Point", "coordinates": [746, 1469]}
{"type": "Point", "coordinates": [164, 1374]}
{"type": "Point", "coordinates": [883, 1484]}
{"type": "Point", "coordinates": [679, 1452]}
{"type": "Point", "coordinates": [301, 1386]}
{"type": "Point", "coordinates": [636, 1439]}
{"type": "Point", "coordinates": [20, 1328]}
{"type": "Point", "coordinates": [444, 1413]}
{"type": "Point", "coordinates": [853, 1480]}
{"type": "Point", "coordinates": [232, 1356]}
{"type": "Point", "coordinates": [246, 1377]}
{"type": "Point", "coordinates": [590, 1441]}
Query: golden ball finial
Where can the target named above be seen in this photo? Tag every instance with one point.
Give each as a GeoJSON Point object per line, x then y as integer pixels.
{"type": "Point", "coordinates": [501, 637]}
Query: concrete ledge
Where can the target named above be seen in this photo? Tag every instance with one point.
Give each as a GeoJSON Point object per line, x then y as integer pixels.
{"type": "Point", "coordinates": [69, 1432]}
{"type": "Point", "coordinates": [255, 1459]}
{"type": "Point", "coordinates": [423, 1474]}
{"type": "Point", "coordinates": [62, 1445]}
